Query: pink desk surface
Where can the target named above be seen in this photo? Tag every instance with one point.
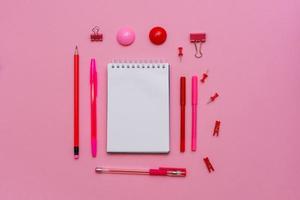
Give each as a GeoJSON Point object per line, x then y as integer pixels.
{"type": "Point", "coordinates": [252, 54]}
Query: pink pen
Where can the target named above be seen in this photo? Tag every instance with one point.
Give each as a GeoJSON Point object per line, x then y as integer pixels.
{"type": "Point", "coordinates": [93, 91]}
{"type": "Point", "coordinates": [161, 171]}
{"type": "Point", "coordinates": [194, 111]}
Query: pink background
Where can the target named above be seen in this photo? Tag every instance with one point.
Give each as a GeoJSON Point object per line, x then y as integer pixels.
{"type": "Point", "coordinates": [252, 54]}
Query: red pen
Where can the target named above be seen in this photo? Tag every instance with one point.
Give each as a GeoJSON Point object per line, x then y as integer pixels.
{"type": "Point", "coordinates": [182, 112]}
{"type": "Point", "coordinates": [76, 104]}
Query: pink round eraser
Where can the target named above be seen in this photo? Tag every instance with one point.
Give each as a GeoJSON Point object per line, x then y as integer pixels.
{"type": "Point", "coordinates": [125, 36]}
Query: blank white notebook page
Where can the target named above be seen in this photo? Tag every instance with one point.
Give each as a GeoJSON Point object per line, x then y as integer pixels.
{"type": "Point", "coordinates": [138, 108]}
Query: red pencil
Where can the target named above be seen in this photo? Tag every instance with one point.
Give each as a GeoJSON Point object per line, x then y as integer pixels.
{"type": "Point", "coordinates": [182, 113]}
{"type": "Point", "coordinates": [76, 104]}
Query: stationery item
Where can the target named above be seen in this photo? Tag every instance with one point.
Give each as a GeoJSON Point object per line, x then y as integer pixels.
{"type": "Point", "coordinates": [204, 77]}
{"type": "Point", "coordinates": [213, 98]}
{"type": "Point", "coordinates": [138, 107]}
{"type": "Point", "coordinates": [194, 111]}
{"type": "Point", "coordinates": [208, 164]}
{"type": "Point", "coordinates": [125, 36]}
{"type": "Point", "coordinates": [182, 112]}
{"type": "Point", "coordinates": [96, 36]}
{"type": "Point", "coordinates": [198, 38]}
{"type": "Point", "coordinates": [180, 53]}
{"type": "Point", "coordinates": [93, 97]}
{"type": "Point", "coordinates": [76, 104]}
{"type": "Point", "coordinates": [158, 35]}
{"type": "Point", "coordinates": [161, 171]}
{"type": "Point", "coordinates": [217, 128]}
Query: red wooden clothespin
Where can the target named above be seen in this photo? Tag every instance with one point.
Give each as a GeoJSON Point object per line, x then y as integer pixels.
{"type": "Point", "coordinates": [213, 98]}
{"type": "Point", "coordinates": [217, 128]}
{"type": "Point", "coordinates": [96, 36]}
{"type": "Point", "coordinates": [204, 77]}
{"type": "Point", "coordinates": [209, 166]}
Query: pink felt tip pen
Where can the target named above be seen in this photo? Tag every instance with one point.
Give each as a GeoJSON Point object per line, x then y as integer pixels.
{"type": "Point", "coordinates": [93, 92]}
{"type": "Point", "coordinates": [161, 171]}
{"type": "Point", "coordinates": [194, 111]}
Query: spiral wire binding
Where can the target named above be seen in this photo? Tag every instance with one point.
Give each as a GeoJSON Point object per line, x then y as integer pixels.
{"type": "Point", "coordinates": [140, 64]}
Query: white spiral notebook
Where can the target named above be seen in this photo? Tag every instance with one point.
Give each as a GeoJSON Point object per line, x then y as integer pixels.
{"type": "Point", "coordinates": [138, 107]}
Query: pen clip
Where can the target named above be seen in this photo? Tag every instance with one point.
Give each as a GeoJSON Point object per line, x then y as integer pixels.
{"type": "Point", "coordinates": [95, 79]}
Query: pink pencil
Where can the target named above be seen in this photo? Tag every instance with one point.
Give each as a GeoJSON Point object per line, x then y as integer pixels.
{"type": "Point", "coordinates": [194, 111]}
{"type": "Point", "coordinates": [93, 91]}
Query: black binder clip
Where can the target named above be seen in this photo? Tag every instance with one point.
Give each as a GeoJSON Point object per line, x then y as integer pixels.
{"type": "Point", "coordinates": [96, 36]}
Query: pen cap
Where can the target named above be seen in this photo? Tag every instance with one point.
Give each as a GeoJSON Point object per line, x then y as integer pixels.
{"type": "Point", "coordinates": [194, 90]}
{"type": "Point", "coordinates": [167, 171]}
{"type": "Point", "coordinates": [182, 91]}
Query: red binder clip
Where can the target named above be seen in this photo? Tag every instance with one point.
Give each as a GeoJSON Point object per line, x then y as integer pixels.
{"type": "Point", "coordinates": [217, 128]}
{"type": "Point", "coordinates": [204, 77]}
{"type": "Point", "coordinates": [180, 53]}
{"type": "Point", "coordinates": [198, 38]}
{"type": "Point", "coordinates": [213, 98]}
{"type": "Point", "coordinates": [209, 166]}
{"type": "Point", "coordinates": [95, 36]}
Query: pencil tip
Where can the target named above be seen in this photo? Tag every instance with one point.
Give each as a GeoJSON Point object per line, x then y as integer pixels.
{"type": "Point", "coordinates": [76, 50]}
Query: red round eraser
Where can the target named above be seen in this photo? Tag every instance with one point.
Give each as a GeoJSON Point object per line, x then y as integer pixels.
{"type": "Point", "coordinates": [158, 35]}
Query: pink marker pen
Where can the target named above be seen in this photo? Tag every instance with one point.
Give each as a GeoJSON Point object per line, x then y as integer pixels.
{"type": "Point", "coordinates": [93, 91]}
{"type": "Point", "coordinates": [194, 111]}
